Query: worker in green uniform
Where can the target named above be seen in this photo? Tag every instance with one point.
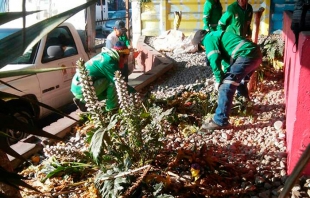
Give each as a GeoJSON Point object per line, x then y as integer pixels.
{"type": "Point", "coordinates": [237, 19]}
{"type": "Point", "coordinates": [212, 12]}
{"type": "Point", "coordinates": [101, 68]}
{"type": "Point", "coordinates": [243, 58]}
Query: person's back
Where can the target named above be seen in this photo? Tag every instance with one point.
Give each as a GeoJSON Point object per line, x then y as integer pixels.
{"type": "Point", "coordinates": [112, 38]}
{"type": "Point", "coordinates": [237, 19]}
{"type": "Point", "coordinates": [212, 12]}
{"type": "Point", "coordinates": [232, 44]}
{"type": "Point", "coordinates": [231, 47]}
{"type": "Point", "coordinates": [101, 66]}
{"type": "Point", "coordinates": [101, 69]}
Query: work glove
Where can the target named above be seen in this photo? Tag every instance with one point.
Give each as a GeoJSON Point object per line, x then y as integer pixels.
{"type": "Point", "coordinates": [216, 86]}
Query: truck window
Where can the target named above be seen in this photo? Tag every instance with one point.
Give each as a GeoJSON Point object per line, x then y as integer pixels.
{"type": "Point", "coordinates": [59, 44]}
{"type": "Point", "coordinates": [28, 57]}
{"type": "Point", "coordinates": [30, 54]}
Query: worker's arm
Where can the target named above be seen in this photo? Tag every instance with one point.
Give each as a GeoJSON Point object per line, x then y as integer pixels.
{"type": "Point", "coordinates": [225, 20]}
{"type": "Point", "coordinates": [206, 15]}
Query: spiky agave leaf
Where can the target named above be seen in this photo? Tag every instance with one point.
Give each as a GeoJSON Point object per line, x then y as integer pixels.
{"type": "Point", "coordinates": [10, 73]}
{"type": "Point", "coordinates": [5, 147]}
{"type": "Point", "coordinates": [6, 17]}
{"type": "Point", "coordinates": [8, 121]}
{"type": "Point", "coordinates": [11, 122]}
{"type": "Point", "coordinates": [15, 180]}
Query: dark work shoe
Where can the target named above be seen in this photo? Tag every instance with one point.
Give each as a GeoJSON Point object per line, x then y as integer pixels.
{"type": "Point", "coordinates": [244, 98]}
{"type": "Point", "coordinates": [211, 125]}
{"type": "Point", "coordinates": [80, 104]}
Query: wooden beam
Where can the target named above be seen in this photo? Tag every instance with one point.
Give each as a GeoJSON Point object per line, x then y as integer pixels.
{"type": "Point", "coordinates": [127, 19]}
{"type": "Point", "coordinates": [90, 27]}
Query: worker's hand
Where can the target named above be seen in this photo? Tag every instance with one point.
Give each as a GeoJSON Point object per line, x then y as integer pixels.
{"type": "Point", "coordinates": [249, 38]}
{"type": "Point", "coordinates": [217, 86]}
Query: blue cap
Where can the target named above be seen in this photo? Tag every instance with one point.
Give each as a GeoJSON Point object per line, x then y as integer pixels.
{"type": "Point", "coordinates": [120, 25]}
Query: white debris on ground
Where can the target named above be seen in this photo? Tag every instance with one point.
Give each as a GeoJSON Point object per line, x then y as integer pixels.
{"type": "Point", "coordinates": [175, 41]}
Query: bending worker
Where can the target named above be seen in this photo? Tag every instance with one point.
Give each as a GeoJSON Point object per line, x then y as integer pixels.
{"type": "Point", "coordinates": [242, 56]}
{"type": "Point", "coordinates": [101, 68]}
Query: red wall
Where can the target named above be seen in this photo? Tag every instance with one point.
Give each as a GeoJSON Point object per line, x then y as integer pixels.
{"type": "Point", "coordinates": [297, 93]}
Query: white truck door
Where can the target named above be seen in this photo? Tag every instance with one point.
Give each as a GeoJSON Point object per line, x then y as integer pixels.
{"type": "Point", "coordinates": [59, 51]}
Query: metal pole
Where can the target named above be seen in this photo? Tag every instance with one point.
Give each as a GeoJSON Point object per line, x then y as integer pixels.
{"type": "Point", "coordinates": [127, 18]}
{"type": "Point", "coordinates": [101, 9]}
{"type": "Point", "coordinates": [90, 27]}
{"type": "Point", "coordinates": [302, 162]}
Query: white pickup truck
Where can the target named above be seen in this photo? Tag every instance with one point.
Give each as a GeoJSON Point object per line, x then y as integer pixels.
{"type": "Point", "coordinates": [62, 47]}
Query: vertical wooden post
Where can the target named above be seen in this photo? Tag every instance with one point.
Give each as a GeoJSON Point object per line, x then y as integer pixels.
{"type": "Point", "coordinates": [252, 85]}
{"type": "Point", "coordinates": [91, 27]}
{"type": "Point", "coordinates": [101, 6]}
{"type": "Point", "coordinates": [127, 18]}
{"type": "Point", "coordinates": [163, 16]}
{"type": "Point", "coordinates": [136, 22]}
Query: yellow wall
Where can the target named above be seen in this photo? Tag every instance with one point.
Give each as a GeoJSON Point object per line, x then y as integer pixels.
{"type": "Point", "coordinates": [158, 15]}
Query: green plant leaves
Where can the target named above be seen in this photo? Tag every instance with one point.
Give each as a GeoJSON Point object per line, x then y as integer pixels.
{"type": "Point", "coordinates": [12, 47]}
{"type": "Point", "coordinates": [10, 16]}
{"type": "Point", "coordinates": [99, 143]}
{"type": "Point", "coordinates": [110, 187]}
{"type": "Point", "coordinates": [56, 168]}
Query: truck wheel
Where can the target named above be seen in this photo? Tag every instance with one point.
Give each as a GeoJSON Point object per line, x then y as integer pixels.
{"type": "Point", "coordinates": [18, 135]}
